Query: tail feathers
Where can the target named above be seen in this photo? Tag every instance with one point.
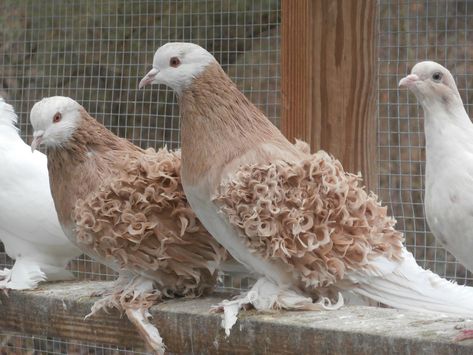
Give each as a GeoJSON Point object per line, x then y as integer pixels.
{"type": "Point", "coordinates": [405, 285]}
{"type": "Point", "coordinates": [25, 275]}
{"type": "Point", "coordinates": [7, 114]}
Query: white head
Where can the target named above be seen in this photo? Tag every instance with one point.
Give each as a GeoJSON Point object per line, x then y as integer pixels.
{"type": "Point", "coordinates": [54, 119]}
{"type": "Point", "coordinates": [433, 86]}
{"type": "Point", "coordinates": [177, 64]}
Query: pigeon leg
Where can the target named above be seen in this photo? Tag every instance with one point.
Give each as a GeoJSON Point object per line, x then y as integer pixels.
{"type": "Point", "coordinates": [5, 276]}
{"type": "Point", "coordinates": [134, 295]}
{"type": "Point", "coordinates": [24, 275]}
{"type": "Point", "coordinates": [266, 296]}
{"type": "Point", "coordinates": [141, 320]}
{"type": "Point", "coordinates": [118, 286]}
{"type": "Point", "coordinates": [111, 296]}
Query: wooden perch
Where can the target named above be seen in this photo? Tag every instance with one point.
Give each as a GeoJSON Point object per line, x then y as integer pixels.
{"type": "Point", "coordinates": [58, 310]}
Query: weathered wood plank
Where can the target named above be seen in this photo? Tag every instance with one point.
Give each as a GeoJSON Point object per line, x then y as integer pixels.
{"type": "Point", "coordinates": [328, 79]}
{"type": "Point", "coordinates": [58, 310]}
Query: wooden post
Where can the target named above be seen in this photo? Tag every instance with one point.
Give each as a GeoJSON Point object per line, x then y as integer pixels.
{"type": "Point", "coordinates": [328, 69]}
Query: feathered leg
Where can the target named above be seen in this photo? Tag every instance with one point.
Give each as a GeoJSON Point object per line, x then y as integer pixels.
{"type": "Point", "coordinates": [265, 296]}
{"type": "Point", "coordinates": [5, 276]}
{"type": "Point", "coordinates": [111, 297]}
{"type": "Point", "coordinates": [141, 319]}
{"type": "Point", "coordinates": [23, 275]}
{"type": "Point", "coordinates": [134, 295]}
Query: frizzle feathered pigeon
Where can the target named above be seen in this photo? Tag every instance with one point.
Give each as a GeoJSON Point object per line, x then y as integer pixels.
{"type": "Point", "coordinates": [298, 220]}
{"type": "Point", "coordinates": [449, 158]}
{"type": "Point", "coordinates": [125, 207]}
{"type": "Point", "coordinates": [29, 228]}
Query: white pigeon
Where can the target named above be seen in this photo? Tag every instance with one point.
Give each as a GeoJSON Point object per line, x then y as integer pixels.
{"type": "Point", "coordinates": [29, 227]}
{"type": "Point", "coordinates": [449, 158]}
{"type": "Point", "coordinates": [449, 161]}
{"type": "Point", "coordinates": [298, 221]}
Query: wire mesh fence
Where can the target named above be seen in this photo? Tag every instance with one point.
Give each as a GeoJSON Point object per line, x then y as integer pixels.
{"type": "Point", "coordinates": [97, 51]}
{"type": "Point", "coordinates": [17, 344]}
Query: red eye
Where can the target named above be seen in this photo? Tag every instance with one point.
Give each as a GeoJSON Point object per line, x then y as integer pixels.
{"type": "Point", "coordinates": [174, 62]}
{"type": "Point", "coordinates": [57, 117]}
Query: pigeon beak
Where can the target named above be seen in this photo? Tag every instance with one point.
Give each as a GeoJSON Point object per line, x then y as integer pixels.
{"type": "Point", "coordinates": [408, 81]}
{"type": "Point", "coordinates": [37, 140]}
{"type": "Point", "coordinates": [148, 78]}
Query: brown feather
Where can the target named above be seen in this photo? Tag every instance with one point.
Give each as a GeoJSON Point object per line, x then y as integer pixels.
{"type": "Point", "coordinates": [126, 206]}
{"type": "Point", "coordinates": [219, 124]}
{"type": "Point", "coordinates": [312, 215]}
{"type": "Point", "coordinates": [287, 205]}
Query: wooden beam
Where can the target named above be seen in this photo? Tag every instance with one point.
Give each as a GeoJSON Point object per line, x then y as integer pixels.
{"type": "Point", "coordinates": [58, 310]}
{"type": "Point", "coordinates": [328, 72]}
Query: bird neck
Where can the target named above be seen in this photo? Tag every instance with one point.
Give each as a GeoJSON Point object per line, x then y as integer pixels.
{"type": "Point", "coordinates": [446, 129]}
{"type": "Point", "coordinates": [441, 117]}
{"type": "Point", "coordinates": [218, 123]}
{"type": "Point", "coordinates": [90, 136]}
{"type": "Point", "coordinates": [81, 159]}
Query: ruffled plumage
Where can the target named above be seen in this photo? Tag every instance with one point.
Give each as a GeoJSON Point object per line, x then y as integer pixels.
{"type": "Point", "coordinates": [310, 214]}
{"type": "Point", "coordinates": [139, 217]}
{"type": "Point", "coordinates": [125, 207]}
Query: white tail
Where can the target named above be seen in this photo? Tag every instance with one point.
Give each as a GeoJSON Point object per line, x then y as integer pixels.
{"type": "Point", "coordinates": [405, 285]}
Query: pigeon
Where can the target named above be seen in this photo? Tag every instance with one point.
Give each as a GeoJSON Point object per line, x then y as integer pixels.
{"type": "Point", "coordinates": [29, 227]}
{"type": "Point", "coordinates": [449, 159]}
{"type": "Point", "coordinates": [301, 224]}
{"type": "Point", "coordinates": [125, 207]}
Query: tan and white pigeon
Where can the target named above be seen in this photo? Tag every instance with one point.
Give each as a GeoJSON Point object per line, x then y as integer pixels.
{"type": "Point", "coordinates": [300, 222]}
{"type": "Point", "coordinates": [125, 207]}
{"type": "Point", "coordinates": [29, 228]}
{"type": "Point", "coordinates": [449, 159]}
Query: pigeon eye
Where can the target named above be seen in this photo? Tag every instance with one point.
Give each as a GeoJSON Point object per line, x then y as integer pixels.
{"type": "Point", "coordinates": [437, 76]}
{"type": "Point", "coordinates": [174, 62]}
{"type": "Point", "coordinates": [57, 117]}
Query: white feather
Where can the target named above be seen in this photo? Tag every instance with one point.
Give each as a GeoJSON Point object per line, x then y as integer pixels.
{"type": "Point", "coordinates": [29, 228]}
{"type": "Point", "coordinates": [406, 285]}
{"type": "Point", "coordinates": [218, 225]}
{"type": "Point", "coordinates": [449, 187]}
{"type": "Point", "coordinates": [449, 160]}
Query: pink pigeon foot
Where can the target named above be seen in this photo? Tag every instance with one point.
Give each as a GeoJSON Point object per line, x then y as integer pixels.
{"type": "Point", "coordinates": [464, 335]}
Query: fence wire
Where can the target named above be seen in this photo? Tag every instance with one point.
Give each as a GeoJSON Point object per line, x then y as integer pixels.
{"type": "Point", "coordinates": [97, 51]}
{"type": "Point", "coordinates": [18, 344]}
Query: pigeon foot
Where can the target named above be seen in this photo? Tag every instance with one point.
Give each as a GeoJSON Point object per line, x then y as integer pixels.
{"type": "Point", "coordinates": [464, 335]}
{"type": "Point", "coordinates": [267, 296]}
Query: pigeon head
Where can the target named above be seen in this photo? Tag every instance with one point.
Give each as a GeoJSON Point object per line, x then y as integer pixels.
{"type": "Point", "coordinates": [54, 119]}
{"type": "Point", "coordinates": [177, 64]}
{"type": "Point", "coordinates": [432, 84]}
